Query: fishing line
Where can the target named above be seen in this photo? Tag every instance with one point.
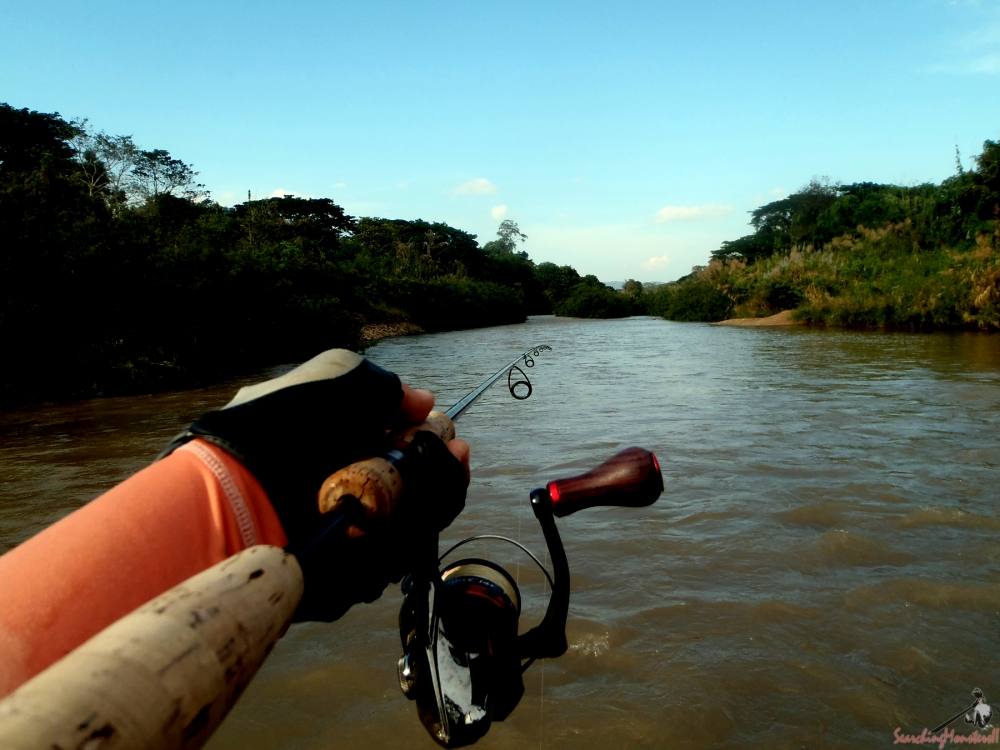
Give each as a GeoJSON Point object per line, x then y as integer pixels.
{"type": "Point", "coordinates": [541, 682]}
{"type": "Point", "coordinates": [499, 538]}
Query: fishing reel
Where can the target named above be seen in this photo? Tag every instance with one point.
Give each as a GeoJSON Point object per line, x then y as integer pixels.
{"type": "Point", "coordinates": [463, 657]}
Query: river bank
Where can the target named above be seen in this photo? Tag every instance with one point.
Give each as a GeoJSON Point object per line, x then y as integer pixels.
{"type": "Point", "coordinates": [372, 333]}
{"type": "Point", "coordinates": [143, 376]}
{"type": "Point", "coordinates": [784, 318]}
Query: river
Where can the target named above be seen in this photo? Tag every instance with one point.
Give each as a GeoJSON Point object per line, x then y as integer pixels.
{"type": "Point", "coordinates": [822, 567]}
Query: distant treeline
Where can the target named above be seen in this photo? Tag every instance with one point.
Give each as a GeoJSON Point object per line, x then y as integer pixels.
{"type": "Point", "coordinates": [119, 274]}
{"type": "Point", "coordinates": [861, 255]}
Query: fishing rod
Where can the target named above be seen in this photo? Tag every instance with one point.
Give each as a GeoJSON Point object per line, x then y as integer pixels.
{"type": "Point", "coordinates": [370, 489]}
{"type": "Point", "coordinates": [455, 410]}
{"type": "Point", "coordinates": [463, 656]}
{"type": "Point", "coordinates": [166, 675]}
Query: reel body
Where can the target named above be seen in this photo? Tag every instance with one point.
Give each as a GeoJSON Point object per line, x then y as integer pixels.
{"type": "Point", "coordinates": [467, 672]}
{"type": "Point", "coordinates": [463, 658]}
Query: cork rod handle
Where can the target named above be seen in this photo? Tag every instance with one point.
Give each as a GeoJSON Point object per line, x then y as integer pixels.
{"type": "Point", "coordinates": [374, 482]}
{"type": "Point", "coordinates": [165, 675]}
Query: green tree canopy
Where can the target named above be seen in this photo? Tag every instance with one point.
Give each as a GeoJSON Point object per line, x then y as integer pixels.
{"type": "Point", "coordinates": [508, 237]}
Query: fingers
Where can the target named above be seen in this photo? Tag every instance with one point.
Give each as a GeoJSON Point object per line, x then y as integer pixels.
{"type": "Point", "coordinates": [417, 403]}
{"type": "Point", "coordinates": [460, 450]}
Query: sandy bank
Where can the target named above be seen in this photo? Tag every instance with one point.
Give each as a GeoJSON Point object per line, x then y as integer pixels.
{"type": "Point", "coordinates": [784, 318]}
{"type": "Point", "coordinates": [373, 332]}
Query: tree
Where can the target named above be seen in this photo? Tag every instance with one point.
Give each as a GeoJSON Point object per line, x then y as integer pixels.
{"type": "Point", "coordinates": [29, 138]}
{"type": "Point", "coordinates": [53, 238]}
{"type": "Point", "coordinates": [436, 247]}
{"type": "Point", "coordinates": [156, 173]}
{"type": "Point", "coordinates": [592, 299]}
{"type": "Point", "coordinates": [632, 289]}
{"type": "Point", "coordinates": [556, 282]}
{"type": "Point", "coordinates": [693, 297]}
{"type": "Point", "coordinates": [509, 234]}
{"type": "Point", "coordinates": [988, 165]}
{"type": "Point", "coordinates": [314, 222]}
{"type": "Point", "coordinates": [43, 201]}
{"type": "Point", "coordinates": [794, 221]}
{"type": "Point", "coordinates": [126, 175]}
{"type": "Point", "coordinates": [749, 248]}
{"type": "Point", "coordinates": [107, 162]}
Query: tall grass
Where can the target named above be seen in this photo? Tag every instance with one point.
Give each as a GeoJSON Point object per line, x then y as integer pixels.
{"type": "Point", "coordinates": [881, 278]}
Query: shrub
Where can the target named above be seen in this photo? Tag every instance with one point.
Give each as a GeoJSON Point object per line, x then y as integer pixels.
{"type": "Point", "coordinates": [594, 301]}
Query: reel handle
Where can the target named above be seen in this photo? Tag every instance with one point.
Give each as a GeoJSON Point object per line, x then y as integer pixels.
{"type": "Point", "coordinates": [630, 478]}
{"type": "Point", "coordinates": [375, 483]}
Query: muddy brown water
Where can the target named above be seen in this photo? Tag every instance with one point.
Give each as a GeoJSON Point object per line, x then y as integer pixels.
{"type": "Point", "coordinates": [822, 568]}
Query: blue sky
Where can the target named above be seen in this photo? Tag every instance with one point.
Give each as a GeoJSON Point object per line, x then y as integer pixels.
{"type": "Point", "coordinates": [626, 139]}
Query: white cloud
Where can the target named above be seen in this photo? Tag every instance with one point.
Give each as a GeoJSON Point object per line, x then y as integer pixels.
{"type": "Point", "coordinates": [476, 186]}
{"type": "Point", "coordinates": [986, 36]}
{"type": "Point", "coordinates": [616, 252]}
{"type": "Point", "coordinates": [282, 192]}
{"type": "Point", "coordinates": [691, 213]}
{"type": "Point", "coordinates": [612, 252]}
{"type": "Point", "coordinates": [977, 52]}
{"type": "Point", "coordinates": [656, 263]}
{"type": "Point", "coordinates": [498, 212]}
{"type": "Point", "coordinates": [988, 64]}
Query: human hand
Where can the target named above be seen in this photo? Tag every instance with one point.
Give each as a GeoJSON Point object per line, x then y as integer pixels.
{"type": "Point", "coordinates": [293, 431]}
{"type": "Point", "coordinates": [416, 405]}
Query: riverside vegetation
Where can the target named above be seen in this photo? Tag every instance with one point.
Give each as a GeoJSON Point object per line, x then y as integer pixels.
{"type": "Point", "coordinates": [861, 255]}
{"type": "Point", "coordinates": [120, 274]}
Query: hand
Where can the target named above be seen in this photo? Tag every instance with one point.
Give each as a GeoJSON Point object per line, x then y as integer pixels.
{"type": "Point", "coordinates": [417, 404]}
{"type": "Point", "coordinates": [293, 431]}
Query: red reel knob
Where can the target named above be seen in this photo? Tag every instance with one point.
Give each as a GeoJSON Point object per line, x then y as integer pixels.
{"type": "Point", "coordinates": [630, 478]}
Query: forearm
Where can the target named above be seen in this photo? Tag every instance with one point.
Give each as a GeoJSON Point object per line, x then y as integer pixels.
{"type": "Point", "coordinates": [161, 526]}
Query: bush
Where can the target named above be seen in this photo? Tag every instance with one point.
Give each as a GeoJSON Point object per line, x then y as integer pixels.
{"type": "Point", "coordinates": [451, 303]}
{"type": "Point", "coordinates": [594, 301]}
{"type": "Point", "coordinates": [694, 298]}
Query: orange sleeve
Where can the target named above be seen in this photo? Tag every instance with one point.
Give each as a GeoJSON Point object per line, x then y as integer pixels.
{"type": "Point", "coordinates": [171, 520]}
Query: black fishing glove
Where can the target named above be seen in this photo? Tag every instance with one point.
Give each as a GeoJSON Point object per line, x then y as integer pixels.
{"type": "Point", "coordinates": [292, 432]}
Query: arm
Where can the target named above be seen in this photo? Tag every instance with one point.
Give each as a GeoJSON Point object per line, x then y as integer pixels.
{"type": "Point", "coordinates": [174, 518]}
{"type": "Point", "coordinates": [200, 504]}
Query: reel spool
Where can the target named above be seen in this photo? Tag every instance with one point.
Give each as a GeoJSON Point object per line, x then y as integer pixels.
{"type": "Point", "coordinates": [464, 670]}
